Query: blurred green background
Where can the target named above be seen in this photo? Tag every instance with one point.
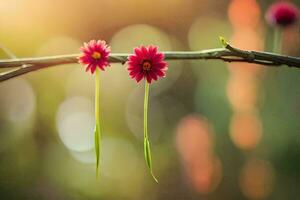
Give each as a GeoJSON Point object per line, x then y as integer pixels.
{"type": "Point", "coordinates": [218, 130]}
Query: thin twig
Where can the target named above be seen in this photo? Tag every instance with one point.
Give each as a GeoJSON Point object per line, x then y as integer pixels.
{"type": "Point", "coordinates": [11, 73]}
{"type": "Point", "coordinates": [227, 54]}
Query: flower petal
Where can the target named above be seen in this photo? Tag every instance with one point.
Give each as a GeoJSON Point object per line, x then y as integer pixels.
{"type": "Point", "coordinates": [138, 52]}
{"type": "Point", "coordinates": [148, 77]}
{"type": "Point", "coordinates": [159, 72]}
{"type": "Point", "coordinates": [145, 51]}
{"type": "Point", "coordinates": [153, 75]}
{"type": "Point", "coordinates": [87, 58]}
{"type": "Point", "coordinates": [139, 77]}
{"type": "Point", "coordinates": [157, 66]}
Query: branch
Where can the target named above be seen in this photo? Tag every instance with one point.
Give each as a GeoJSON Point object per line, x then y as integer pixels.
{"type": "Point", "coordinates": [227, 54]}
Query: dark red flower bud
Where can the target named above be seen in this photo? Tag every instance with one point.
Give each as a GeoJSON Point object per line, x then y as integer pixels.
{"type": "Point", "coordinates": [282, 14]}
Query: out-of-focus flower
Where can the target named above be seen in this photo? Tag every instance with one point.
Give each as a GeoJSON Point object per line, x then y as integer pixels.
{"type": "Point", "coordinates": [94, 54]}
{"type": "Point", "coordinates": [282, 14]}
{"type": "Point", "coordinates": [147, 63]}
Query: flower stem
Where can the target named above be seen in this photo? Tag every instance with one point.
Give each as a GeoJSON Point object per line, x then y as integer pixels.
{"type": "Point", "coordinates": [146, 110]}
{"type": "Point", "coordinates": [277, 41]}
{"type": "Point", "coordinates": [97, 120]}
{"type": "Point", "coordinates": [147, 150]}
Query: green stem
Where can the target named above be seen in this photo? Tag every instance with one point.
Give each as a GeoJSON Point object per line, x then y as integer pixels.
{"type": "Point", "coordinates": [147, 150]}
{"type": "Point", "coordinates": [146, 110]}
{"type": "Point", "coordinates": [277, 41]}
{"type": "Point", "coordinates": [97, 120]}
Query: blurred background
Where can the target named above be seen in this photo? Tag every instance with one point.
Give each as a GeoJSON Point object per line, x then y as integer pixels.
{"type": "Point", "coordinates": [218, 130]}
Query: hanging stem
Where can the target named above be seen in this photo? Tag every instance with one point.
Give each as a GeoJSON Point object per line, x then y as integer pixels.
{"type": "Point", "coordinates": [97, 120]}
{"type": "Point", "coordinates": [147, 150]}
{"type": "Point", "coordinates": [146, 110]}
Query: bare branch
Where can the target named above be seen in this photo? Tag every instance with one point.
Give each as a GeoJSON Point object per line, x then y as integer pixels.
{"type": "Point", "coordinates": [227, 54]}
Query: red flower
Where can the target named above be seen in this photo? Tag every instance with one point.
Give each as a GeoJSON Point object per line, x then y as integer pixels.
{"type": "Point", "coordinates": [146, 63]}
{"type": "Point", "coordinates": [282, 14]}
{"type": "Point", "coordinates": [94, 54]}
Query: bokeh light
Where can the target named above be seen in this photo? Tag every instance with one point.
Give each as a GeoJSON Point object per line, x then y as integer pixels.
{"type": "Point", "coordinates": [195, 144]}
{"type": "Point", "coordinates": [242, 87]}
{"type": "Point", "coordinates": [241, 19]}
{"type": "Point", "coordinates": [242, 92]}
{"type": "Point", "coordinates": [136, 35]}
{"type": "Point", "coordinates": [18, 112]}
{"type": "Point", "coordinates": [218, 130]}
{"type": "Point", "coordinates": [257, 179]}
{"type": "Point", "coordinates": [75, 123]}
{"type": "Point", "coordinates": [245, 130]}
{"type": "Point", "coordinates": [18, 100]}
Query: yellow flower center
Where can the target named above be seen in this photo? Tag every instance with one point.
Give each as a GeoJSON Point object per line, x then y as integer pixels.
{"type": "Point", "coordinates": [96, 55]}
{"type": "Point", "coordinates": [146, 65]}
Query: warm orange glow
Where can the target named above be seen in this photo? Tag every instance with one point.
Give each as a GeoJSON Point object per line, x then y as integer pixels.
{"type": "Point", "coordinates": [247, 39]}
{"type": "Point", "coordinates": [242, 92]}
{"type": "Point", "coordinates": [247, 32]}
{"type": "Point", "coordinates": [245, 130]}
{"type": "Point", "coordinates": [205, 175]}
{"type": "Point", "coordinates": [244, 13]}
{"type": "Point", "coordinates": [244, 68]}
{"type": "Point", "coordinates": [195, 145]}
{"type": "Point", "coordinates": [257, 179]}
{"type": "Point", "coordinates": [194, 138]}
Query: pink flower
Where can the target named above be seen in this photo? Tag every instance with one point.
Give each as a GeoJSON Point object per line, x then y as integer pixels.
{"type": "Point", "coordinates": [148, 63]}
{"type": "Point", "coordinates": [282, 14]}
{"type": "Point", "coordinates": [94, 54]}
